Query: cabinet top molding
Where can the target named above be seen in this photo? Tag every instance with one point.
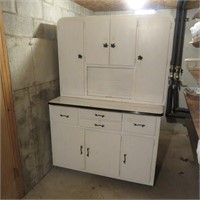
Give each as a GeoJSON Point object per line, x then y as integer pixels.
{"type": "Point", "coordinates": [140, 108]}
{"type": "Point", "coordinates": [121, 5]}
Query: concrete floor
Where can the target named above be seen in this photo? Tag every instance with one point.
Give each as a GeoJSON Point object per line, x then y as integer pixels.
{"type": "Point", "coordinates": [177, 177]}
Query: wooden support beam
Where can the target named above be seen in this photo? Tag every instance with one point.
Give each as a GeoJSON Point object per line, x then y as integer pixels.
{"type": "Point", "coordinates": [12, 185]}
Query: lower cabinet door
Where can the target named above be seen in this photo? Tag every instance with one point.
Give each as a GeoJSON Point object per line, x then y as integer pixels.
{"type": "Point", "coordinates": [102, 153]}
{"type": "Point", "coordinates": [67, 146]}
{"type": "Point", "coordinates": [136, 159]}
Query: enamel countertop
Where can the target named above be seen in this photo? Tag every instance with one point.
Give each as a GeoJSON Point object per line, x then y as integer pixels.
{"type": "Point", "coordinates": [109, 105]}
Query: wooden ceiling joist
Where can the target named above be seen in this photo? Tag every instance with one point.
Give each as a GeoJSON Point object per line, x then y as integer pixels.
{"type": "Point", "coordinates": [120, 5]}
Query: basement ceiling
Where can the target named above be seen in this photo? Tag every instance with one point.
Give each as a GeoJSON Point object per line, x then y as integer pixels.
{"type": "Point", "coordinates": [120, 5]}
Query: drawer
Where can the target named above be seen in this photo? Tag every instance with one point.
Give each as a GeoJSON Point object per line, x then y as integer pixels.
{"type": "Point", "coordinates": [64, 114]}
{"type": "Point", "coordinates": [139, 124]}
{"type": "Point", "coordinates": [102, 125]}
{"type": "Point", "coordinates": [100, 115]}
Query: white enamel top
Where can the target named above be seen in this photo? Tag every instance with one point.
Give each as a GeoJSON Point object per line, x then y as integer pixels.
{"type": "Point", "coordinates": [111, 105]}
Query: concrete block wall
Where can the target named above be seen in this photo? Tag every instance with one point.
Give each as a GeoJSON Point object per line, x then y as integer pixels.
{"type": "Point", "coordinates": [30, 27]}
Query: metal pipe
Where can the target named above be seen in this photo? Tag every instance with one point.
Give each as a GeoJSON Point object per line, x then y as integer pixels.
{"type": "Point", "coordinates": [170, 95]}
{"type": "Point", "coordinates": [178, 69]}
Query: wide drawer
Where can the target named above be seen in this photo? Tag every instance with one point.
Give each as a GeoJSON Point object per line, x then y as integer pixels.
{"type": "Point", "coordinates": [100, 115]}
{"type": "Point", "coordinates": [63, 114]}
{"type": "Point", "coordinates": [139, 124]}
{"type": "Point", "coordinates": [102, 125]}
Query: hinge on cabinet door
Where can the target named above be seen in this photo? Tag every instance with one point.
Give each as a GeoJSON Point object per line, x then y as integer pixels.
{"type": "Point", "coordinates": [16, 172]}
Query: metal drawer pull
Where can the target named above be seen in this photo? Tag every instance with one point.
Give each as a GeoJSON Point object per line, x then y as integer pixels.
{"type": "Point", "coordinates": [142, 125]}
{"type": "Point", "coordinates": [99, 125]}
{"type": "Point", "coordinates": [81, 149]}
{"type": "Point", "coordinates": [97, 115]}
{"type": "Point", "coordinates": [88, 152]}
{"type": "Point", "coordinates": [124, 159]}
{"type": "Point", "coordinates": [67, 116]}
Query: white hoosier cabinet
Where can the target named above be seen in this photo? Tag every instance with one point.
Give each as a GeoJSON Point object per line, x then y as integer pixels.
{"type": "Point", "coordinates": [113, 80]}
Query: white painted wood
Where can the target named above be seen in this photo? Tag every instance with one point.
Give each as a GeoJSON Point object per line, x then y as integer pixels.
{"type": "Point", "coordinates": [136, 158]}
{"type": "Point", "coordinates": [100, 115]}
{"type": "Point", "coordinates": [113, 79]}
{"type": "Point", "coordinates": [123, 35]}
{"type": "Point", "coordinates": [67, 146]}
{"type": "Point", "coordinates": [153, 35]}
{"type": "Point", "coordinates": [110, 82]}
{"type": "Point", "coordinates": [70, 46]}
{"type": "Point", "coordinates": [112, 105]}
{"type": "Point", "coordinates": [70, 145]}
{"type": "Point", "coordinates": [101, 124]}
{"type": "Point", "coordinates": [64, 115]}
{"type": "Point", "coordinates": [96, 34]}
{"type": "Point", "coordinates": [104, 151]}
{"type": "Point", "coordinates": [139, 124]}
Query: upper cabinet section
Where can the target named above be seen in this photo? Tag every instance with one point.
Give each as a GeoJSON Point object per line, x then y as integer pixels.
{"type": "Point", "coordinates": [110, 40]}
{"type": "Point", "coordinates": [120, 58]}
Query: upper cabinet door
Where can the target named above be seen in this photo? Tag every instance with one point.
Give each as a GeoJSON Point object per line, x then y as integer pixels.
{"type": "Point", "coordinates": [153, 42]}
{"type": "Point", "coordinates": [96, 40]}
{"type": "Point", "coordinates": [71, 58]}
{"type": "Point", "coordinates": [122, 40]}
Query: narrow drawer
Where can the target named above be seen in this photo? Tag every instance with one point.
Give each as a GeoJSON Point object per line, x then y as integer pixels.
{"type": "Point", "coordinates": [64, 114]}
{"type": "Point", "coordinates": [102, 125]}
{"type": "Point", "coordinates": [100, 115]}
{"type": "Point", "coordinates": [139, 124]}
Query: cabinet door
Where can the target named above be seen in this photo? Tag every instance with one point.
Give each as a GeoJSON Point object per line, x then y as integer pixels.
{"type": "Point", "coordinates": [136, 158]}
{"type": "Point", "coordinates": [153, 39]}
{"type": "Point", "coordinates": [67, 146]}
{"type": "Point", "coordinates": [123, 40]}
{"type": "Point", "coordinates": [96, 40]}
{"type": "Point", "coordinates": [102, 153]}
{"type": "Point", "coordinates": [71, 58]}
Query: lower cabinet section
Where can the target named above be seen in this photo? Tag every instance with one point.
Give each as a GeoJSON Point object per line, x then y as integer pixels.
{"type": "Point", "coordinates": [107, 151]}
